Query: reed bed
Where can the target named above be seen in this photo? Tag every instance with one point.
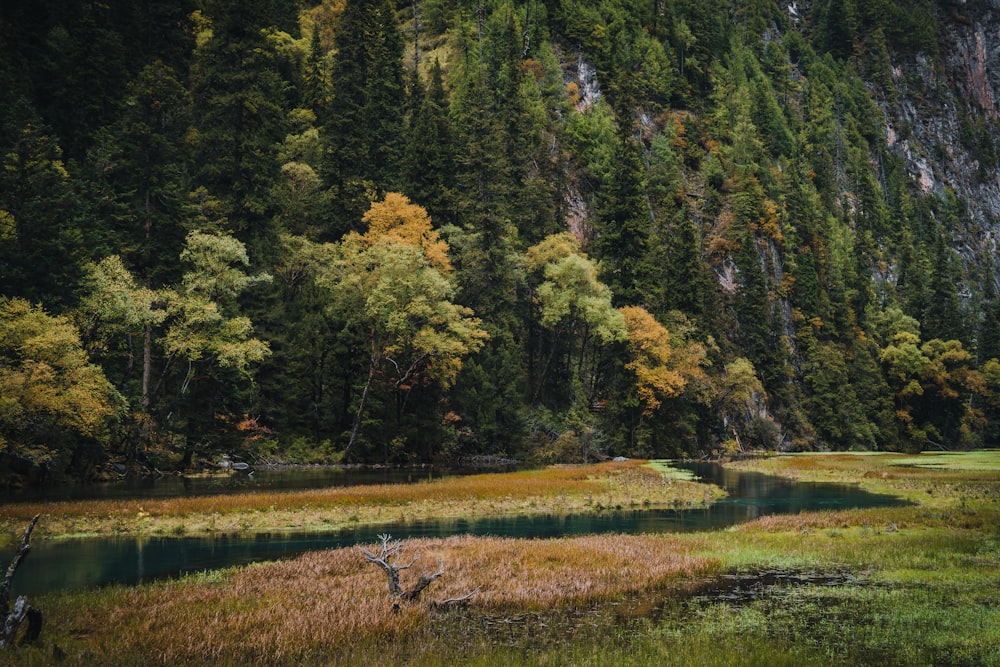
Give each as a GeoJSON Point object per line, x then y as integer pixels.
{"type": "Point", "coordinates": [557, 489]}
{"type": "Point", "coordinates": [332, 603]}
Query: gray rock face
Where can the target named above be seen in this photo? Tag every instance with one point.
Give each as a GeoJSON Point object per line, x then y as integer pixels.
{"type": "Point", "coordinates": [925, 128]}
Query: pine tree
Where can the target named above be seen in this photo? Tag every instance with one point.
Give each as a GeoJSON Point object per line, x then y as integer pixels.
{"type": "Point", "coordinates": [364, 120]}
{"type": "Point", "coordinates": [621, 241]}
{"type": "Point", "coordinates": [142, 161]}
{"type": "Point", "coordinates": [486, 246]}
{"type": "Point", "coordinates": [838, 26]}
{"type": "Point", "coordinates": [41, 239]}
{"type": "Point", "coordinates": [430, 152]}
{"type": "Point", "coordinates": [686, 283]}
{"type": "Point", "coordinates": [943, 316]}
{"type": "Point", "coordinates": [240, 110]}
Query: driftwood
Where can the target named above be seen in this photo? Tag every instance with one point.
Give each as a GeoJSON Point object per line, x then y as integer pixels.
{"type": "Point", "coordinates": [389, 551]}
{"type": "Point", "coordinates": [22, 611]}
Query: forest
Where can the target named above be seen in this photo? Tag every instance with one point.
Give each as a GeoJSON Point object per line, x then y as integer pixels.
{"type": "Point", "coordinates": [412, 231]}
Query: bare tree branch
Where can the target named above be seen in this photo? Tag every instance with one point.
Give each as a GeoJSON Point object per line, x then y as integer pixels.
{"type": "Point", "coordinates": [464, 598]}
{"type": "Point", "coordinates": [423, 582]}
{"type": "Point", "coordinates": [12, 620]}
{"type": "Point", "coordinates": [390, 550]}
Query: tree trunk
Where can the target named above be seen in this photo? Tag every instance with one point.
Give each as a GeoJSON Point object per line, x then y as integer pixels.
{"type": "Point", "coordinates": [361, 409]}
{"type": "Point", "coordinates": [389, 551]}
{"type": "Point", "coordinates": [147, 364]}
{"type": "Point", "coordinates": [12, 619]}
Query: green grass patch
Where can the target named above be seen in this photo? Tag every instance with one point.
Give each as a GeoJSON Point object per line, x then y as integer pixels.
{"type": "Point", "coordinates": [666, 468]}
{"type": "Point", "coordinates": [984, 460]}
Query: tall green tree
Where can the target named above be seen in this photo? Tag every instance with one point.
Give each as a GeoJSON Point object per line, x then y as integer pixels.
{"type": "Point", "coordinates": [41, 232]}
{"type": "Point", "coordinates": [623, 222]}
{"type": "Point", "coordinates": [240, 95]}
{"type": "Point", "coordinates": [429, 166]}
{"type": "Point", "coordinates": [364, 119]}
{"type": "Point", "coordinates": [487, 246]}
{"type": "Point", "coordinates": [943, 316]}
{"type": "Point", "coordinates": [142, 171]}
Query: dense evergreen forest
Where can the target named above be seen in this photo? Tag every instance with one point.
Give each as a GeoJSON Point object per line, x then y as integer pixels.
{"type": "Point", "coordinates": [411, 231]}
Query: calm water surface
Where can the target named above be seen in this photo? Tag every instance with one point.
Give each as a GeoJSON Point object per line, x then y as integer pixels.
{"type": "Point", "coordinates": [64, 564]}
{"type": "Point", "coordinates": [284, 478]}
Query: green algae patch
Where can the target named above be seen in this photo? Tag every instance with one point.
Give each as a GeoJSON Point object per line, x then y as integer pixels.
{"type": "Point", "coordinates": [666, 468]}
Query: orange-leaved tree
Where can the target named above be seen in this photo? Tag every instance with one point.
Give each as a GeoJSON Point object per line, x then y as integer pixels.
{"type": "Point", "coordinates": [662, 365]}
{"type": "Point", "coordinates": [397, 219]}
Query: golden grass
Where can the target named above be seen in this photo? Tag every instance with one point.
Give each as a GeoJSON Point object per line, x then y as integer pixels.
{"type": "Point", "coordinates": [328, 603]}
{"type": "Point", "coordinates": [557, 489]}
{"type": "Point", "coordinates": [878, 520]}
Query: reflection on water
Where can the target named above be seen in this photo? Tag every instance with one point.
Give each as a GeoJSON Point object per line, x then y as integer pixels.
{"type": "Point", "coordinates": [57, 565]}
{"type": "Point", "coordinates": [287, 478]}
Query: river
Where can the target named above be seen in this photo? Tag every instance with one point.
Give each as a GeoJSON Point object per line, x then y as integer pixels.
{"type": "Point", "coordinates": [81, 563]}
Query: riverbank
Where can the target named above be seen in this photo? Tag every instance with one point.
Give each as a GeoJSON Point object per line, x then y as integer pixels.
{"type": "Point", "coordinates": [553, 490]}
{"type": "Point", "coordinates": [910, 585]}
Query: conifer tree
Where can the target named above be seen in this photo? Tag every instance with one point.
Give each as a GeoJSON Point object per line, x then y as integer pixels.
{"type": "Point", "coordinates": [621, 241]}
{"type": "Point", "coordinates": [142, 163]}
{"type": "Point", "coordinates": [240, 95]}
{"type": "Point", "coordinates": [41, 240]}
{"type": "Point", "coordinates": [430, 152]}
{"type": "Point", "coordinates": [943, 317]}
{"type": "Point", "coordinates": [486, 244]}
{"type": "Point", "coordinates": [363, 122]}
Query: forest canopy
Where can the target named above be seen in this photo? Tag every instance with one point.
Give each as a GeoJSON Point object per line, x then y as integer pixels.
{"type": "Point", "coordinates": [413, 231]}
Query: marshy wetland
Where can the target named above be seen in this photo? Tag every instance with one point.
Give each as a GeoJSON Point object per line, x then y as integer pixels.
{"type": "Point", "coordinates": [905, 584]}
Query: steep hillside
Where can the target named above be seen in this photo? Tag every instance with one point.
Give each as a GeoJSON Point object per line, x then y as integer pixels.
{"type": "Point", "coordinates": [548, 229]}
{"type": "Point", "coordinates": [943, 120]}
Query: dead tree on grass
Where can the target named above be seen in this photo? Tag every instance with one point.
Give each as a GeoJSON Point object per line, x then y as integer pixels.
{"type": "Point", "coordinates": [12, 619]}
{"type": "Point", "coordinates": [388, 553]}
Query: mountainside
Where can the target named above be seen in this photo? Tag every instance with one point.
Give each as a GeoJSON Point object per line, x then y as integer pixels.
{"type": "Point", "coordinates": [549, 230]}
{"type": "Point", "coordinates": [941, 122]}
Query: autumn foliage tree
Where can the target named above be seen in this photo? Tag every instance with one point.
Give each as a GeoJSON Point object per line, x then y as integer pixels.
{"type": "Point", "coordinates": [391, 285]}
{"type": "Point", "coordinates": [662, 366]}
{"type": "Point", "coordinates": [56, 407]}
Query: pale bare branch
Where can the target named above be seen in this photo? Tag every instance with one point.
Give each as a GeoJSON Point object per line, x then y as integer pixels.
{"type": "Point", "coordinates": [388, 552]}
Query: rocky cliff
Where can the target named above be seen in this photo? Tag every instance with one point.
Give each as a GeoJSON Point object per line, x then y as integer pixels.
{"type": "Point", "coordinates": [943, 120]}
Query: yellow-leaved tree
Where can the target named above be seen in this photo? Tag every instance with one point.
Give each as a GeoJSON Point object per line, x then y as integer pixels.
{"type": "Point", "coordinates": [398, 220]}
{"type": "Point", "coordinates": [391, 285]}
{"type": "Point", "coordinates": [55, 405]}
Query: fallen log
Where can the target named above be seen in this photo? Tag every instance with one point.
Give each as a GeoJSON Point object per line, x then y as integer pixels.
{"type": "Point", "coordinates": [14, 618]}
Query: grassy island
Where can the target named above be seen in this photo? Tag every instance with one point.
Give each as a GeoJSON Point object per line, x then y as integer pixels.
{"type": "Point", "coordinates": [553, 490]}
